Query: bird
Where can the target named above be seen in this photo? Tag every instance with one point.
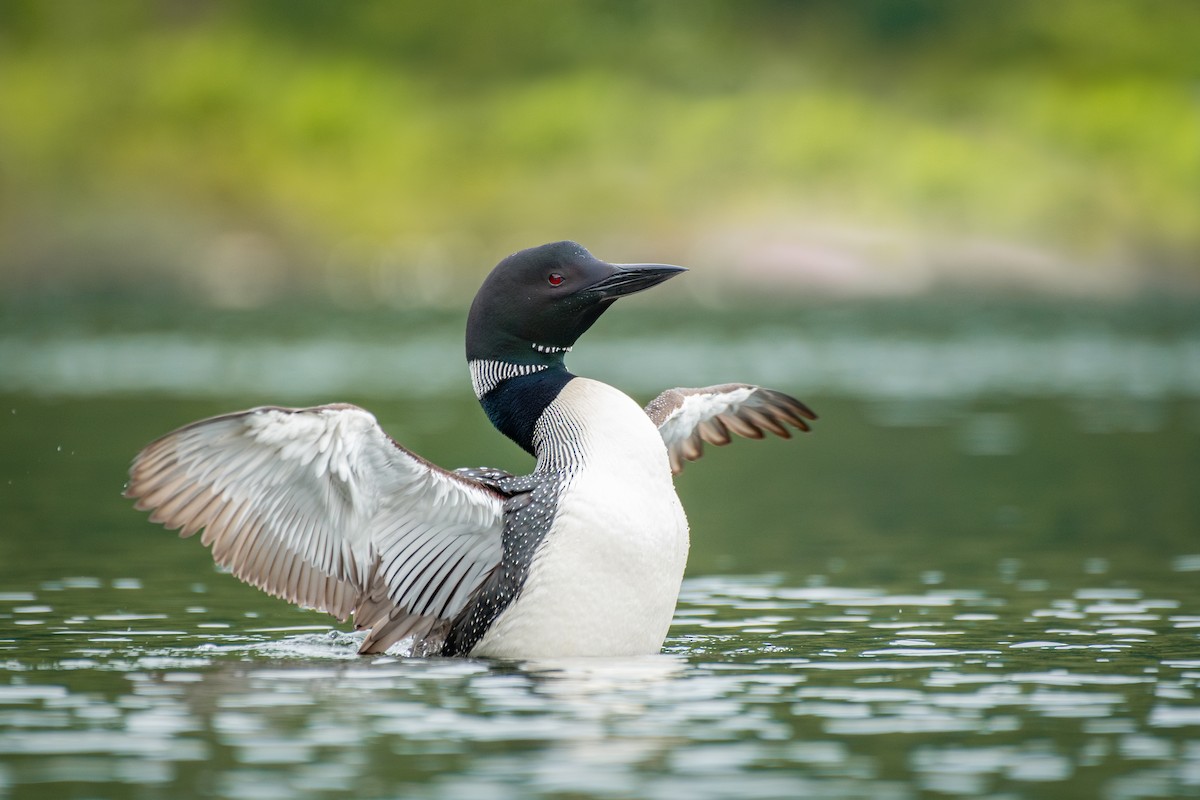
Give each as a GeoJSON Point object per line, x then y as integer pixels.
{"type": "Point", "coordinates": [584, 556]}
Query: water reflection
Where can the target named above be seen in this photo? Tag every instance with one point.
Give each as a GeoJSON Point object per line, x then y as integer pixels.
{"type": "Point", "coordinates": [768, 689]}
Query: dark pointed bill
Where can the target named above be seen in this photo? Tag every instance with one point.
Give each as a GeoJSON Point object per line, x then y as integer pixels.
{"type": "Point", "coordinates": [630, 278]}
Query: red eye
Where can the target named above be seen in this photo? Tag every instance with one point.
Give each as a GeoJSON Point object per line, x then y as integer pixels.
{"type": "Point", "coordinates": [555, 279]}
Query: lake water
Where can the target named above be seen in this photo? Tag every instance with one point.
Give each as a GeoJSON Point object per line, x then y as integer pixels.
{"type": "Point", "coordinates": [979, 576]}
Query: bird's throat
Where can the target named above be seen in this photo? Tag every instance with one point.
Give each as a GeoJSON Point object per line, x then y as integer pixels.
{"type": "Point", "coordinates": [514, 396]}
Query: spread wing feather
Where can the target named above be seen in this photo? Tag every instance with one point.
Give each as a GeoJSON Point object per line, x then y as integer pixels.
{"type": "Point", "coordinates": [687, 418]}
{"type": "Point", "coordinates": [320, 507]}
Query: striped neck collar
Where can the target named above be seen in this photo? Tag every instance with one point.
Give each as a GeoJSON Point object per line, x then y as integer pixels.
{"type": "Point", "coordinates": [486, 374]}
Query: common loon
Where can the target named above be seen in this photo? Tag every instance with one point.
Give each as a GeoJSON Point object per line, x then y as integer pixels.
{"type": "Point", "coordinates": [584, 556]}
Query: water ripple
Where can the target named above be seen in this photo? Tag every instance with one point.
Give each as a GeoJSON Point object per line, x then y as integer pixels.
{"type": "Point", "coordinates": [767, 689]}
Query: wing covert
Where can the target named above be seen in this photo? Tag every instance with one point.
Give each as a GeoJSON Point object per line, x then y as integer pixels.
{"type": "Point", "coordinates": [687, 418]}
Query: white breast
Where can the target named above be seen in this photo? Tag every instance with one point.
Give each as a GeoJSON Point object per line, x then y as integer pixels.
{"type": "Point", "coordinates": [606, 578]}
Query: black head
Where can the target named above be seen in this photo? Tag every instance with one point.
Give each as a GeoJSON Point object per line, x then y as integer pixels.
{"type": "Point", "coordinates": [536, 303]}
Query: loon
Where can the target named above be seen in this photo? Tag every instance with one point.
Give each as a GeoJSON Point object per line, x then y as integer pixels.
{"type": "Point", "coordinates": [582, 557]}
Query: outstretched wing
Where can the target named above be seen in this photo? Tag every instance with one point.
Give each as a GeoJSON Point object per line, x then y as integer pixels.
{"type": "Point", "coordinates": [687, 418]}
{"type": "Point", "coordinates": [320, 507]}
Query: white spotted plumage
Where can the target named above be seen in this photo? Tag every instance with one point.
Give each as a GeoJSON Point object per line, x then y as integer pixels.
{"type": "Point", "coordinates": [320, 507]}
{"type": "Point", "coordinates": [606, 576]}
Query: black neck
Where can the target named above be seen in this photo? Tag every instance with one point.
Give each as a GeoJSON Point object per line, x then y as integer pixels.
{"type": "Point", "coordinates": [516, 404]}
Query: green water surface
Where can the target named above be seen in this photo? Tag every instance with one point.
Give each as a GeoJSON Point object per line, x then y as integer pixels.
{"type": "Point", "coordinates": [950, 588]}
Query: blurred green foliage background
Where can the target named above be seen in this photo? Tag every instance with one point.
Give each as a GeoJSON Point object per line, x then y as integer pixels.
{"type": "Point", "coordinates": [381, 151]}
